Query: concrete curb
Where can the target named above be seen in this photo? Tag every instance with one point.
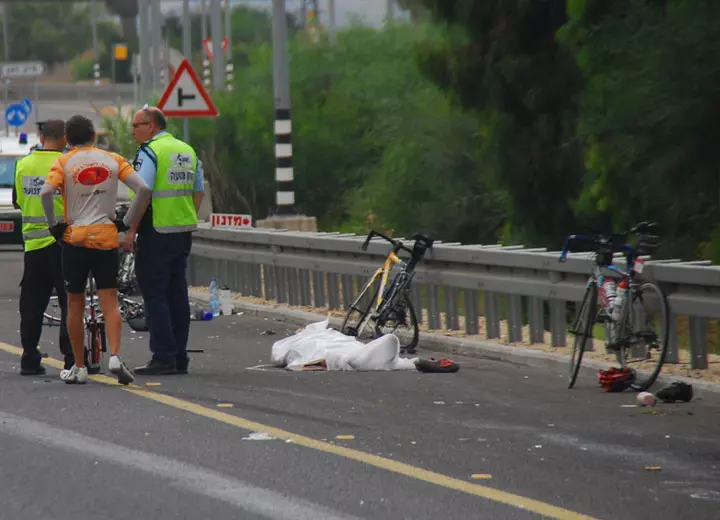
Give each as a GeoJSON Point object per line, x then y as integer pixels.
{"type": "Point", "coordinates": [451, 345]}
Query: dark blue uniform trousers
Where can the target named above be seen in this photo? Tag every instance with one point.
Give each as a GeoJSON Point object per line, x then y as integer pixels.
{"type": "Point", "coordinates": [160, 264]}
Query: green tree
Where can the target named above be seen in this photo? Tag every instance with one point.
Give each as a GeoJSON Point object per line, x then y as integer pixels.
{"type": "Point", "coordinates": [371, 137]}
{"type": "Point", "coordinates": [501, 61]}
{"type": "Point", "coordinates": [649, 113]}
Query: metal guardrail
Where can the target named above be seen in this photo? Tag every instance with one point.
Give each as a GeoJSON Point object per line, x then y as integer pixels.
{"type": "Point", "coordinates": [526, 286]}
{"type": "Point", "coordinates": [70, 92]}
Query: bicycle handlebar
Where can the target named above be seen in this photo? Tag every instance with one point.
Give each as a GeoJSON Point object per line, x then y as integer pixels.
{"type": "Point", "coordinates": [608, 242]}
{"type": "Point", "coordinates": [397, 244]}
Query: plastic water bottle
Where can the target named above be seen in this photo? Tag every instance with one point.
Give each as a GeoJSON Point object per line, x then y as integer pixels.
{"type": "Point", "coordinates": [619, 300]}
{"type": "Point", "coordinates": [214, 298]}
{"type": "Point", "coordinates": [226, 304]}
{"type": "Point", "coordinates": [608, 286]}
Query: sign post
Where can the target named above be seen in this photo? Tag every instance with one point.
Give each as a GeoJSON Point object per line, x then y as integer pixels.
{"type": "Point", "coordinates": [20, 69]}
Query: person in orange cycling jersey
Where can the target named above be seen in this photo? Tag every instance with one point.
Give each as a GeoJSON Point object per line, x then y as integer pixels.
{"type": "Point", "coordinates": [88, 179]}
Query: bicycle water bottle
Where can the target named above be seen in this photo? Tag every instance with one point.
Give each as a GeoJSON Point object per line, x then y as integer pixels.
{"type": "Point", "coordinates": [608, 286]}
{"type": "Point", "coordinates": [214, 298]}
{"type": "Point", "coordinates": [619, 300]}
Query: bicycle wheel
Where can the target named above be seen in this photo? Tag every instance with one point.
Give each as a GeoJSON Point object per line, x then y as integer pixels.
{"type": "Point", "coordinates": [96, 345]}
{"type": "Point", "coordinates": [644, 335]}
{"type": "Point", "coordinates": [357, 317]}
{"type": "Point", "coordinates": [399, 318]}
{"type": "Point", "coordinates": [52, 314]}
{"type": "Point", "coordinates": [582, 330]}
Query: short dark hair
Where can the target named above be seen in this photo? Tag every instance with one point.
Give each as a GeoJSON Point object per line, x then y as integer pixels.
{"type": "Point", "coordinates": [53, 129]}
{"type": "Point", "coordinates": [79, 130]}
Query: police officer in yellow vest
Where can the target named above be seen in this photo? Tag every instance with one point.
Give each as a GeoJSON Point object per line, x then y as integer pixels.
{"type": "Point", "coordinates": [42, 270]}
{"type": "Point", "coordinates": [171, 168]}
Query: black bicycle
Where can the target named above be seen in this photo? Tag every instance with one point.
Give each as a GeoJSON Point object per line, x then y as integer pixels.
{"type": "Point", "coordinates": [634, 312]}
{"type": "Point", "coordinates": [383, 309]}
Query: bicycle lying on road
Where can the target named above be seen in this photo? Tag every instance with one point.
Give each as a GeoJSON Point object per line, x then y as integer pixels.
{"type": "Point", "coordinates": [380, 306]}
{"type": "Point", "coordinates": [636, 318]}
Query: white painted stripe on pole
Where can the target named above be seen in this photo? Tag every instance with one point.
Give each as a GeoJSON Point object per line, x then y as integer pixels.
{"type": "Point", "coordinates": [283, 126]}
{"type": "Point", "coordinates": [283, 150]}
{"type": "Point", "coordinates": [191, 478]}
{"type": "Point", "coordinates": [285, 198]}
{"type": "Point", "coordinates": [283, 174]}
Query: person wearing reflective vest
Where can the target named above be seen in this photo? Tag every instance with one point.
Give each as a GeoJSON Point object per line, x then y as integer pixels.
{"type": "Point", "coordinates": [42, 270]}
{"type": "Point", "coordinates": [172, 169]}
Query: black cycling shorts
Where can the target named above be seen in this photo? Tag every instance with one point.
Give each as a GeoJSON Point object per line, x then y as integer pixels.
{"type": "Point", "coordinates": [79, 262]}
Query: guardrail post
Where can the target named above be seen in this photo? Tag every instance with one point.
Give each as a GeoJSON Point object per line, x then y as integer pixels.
{"type": "Point", "coordinates": [558, 317]}
{"type": "Point", "coordinates": [318, 289]}
{"type": "Point", "coordinates": [304, 280]}
{"type": "Point", "coordinates": [433, 308]}
{"type": "Point", "coordinates": [536, 319]}
{"type": "Point", "coordinates": [347, 290]}
{"type": "Point", "coordinates": [514, 318]}
{"type": "Point", "coordinates": [269, 279]}
{"type": "Point", "coordinates": [673, 352]}
{"type": "Point", "coordinates": [451, 308]}
{"type": "Point", "coordinates": [333, 284]}
{"type": "Point", "coordinates": [417, 302]}
{"type": "Point", "coordinates": [698, 343]}
{"type": "Point", "coordinates": [471, 312]}
{"type": "Point", "coordinates": [492, 315]}
{"type": "Point", "coordinates": [293, 285]}
{"type": "Point", "coordinates": [281, 283]}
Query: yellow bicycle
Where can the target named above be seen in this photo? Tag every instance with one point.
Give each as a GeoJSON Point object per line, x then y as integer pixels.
{"type": "Point", "coordinates": [383, 309]}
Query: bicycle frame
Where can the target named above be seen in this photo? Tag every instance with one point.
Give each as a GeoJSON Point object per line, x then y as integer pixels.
{"type": "Point", "coordinates": [384, 273]}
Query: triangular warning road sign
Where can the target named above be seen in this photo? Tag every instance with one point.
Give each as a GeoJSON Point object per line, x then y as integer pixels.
{"type": "Point", "coordinates": [185, 95]}
{"type": "Point", "coordinates": [208, 46]}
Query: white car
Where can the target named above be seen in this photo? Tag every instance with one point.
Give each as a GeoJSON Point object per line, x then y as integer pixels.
{"type": "Point", "coordinates": [12, 148]}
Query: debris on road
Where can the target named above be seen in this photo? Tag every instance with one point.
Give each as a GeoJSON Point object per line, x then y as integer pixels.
{"type": "Point", "coordinates": [259, 436]}
{"type": "Point", "coordinates": [653, 468]}
{"type": "Point", "coordinates": [268, 332]}
{"type": "Point", "coordinates": [443, 366]}
{"type": "Point", "coordinates": [481, 476]}
{"type": "Point", "coordinates": [678, 391]}
{"type": "Point", "coordinates": [646, 399]}
{"type": "Point", "coordinates": [345, 437]}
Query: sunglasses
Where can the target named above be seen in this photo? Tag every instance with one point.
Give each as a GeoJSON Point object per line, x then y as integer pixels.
{"type": "Point", "coordinates": [146, 109]}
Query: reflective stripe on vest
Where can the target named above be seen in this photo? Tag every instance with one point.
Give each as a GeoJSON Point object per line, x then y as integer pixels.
{"type": "Point", "coordinates": [30, 174]}
{"type": "Point", "coordinates": [41, 220]}
{"type": "Point", "coordinates": [173, 209]}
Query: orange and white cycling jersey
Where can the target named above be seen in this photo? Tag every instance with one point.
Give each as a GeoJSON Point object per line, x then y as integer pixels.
{"type": "Point", "coordinates": [88, 179]}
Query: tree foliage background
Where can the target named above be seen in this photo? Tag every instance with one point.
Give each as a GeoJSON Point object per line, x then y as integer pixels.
{"type": "Point", "coordinates": [488, 120]}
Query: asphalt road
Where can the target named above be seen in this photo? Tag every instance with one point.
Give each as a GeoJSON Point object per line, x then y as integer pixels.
{"type": "Point", "coordinates": [169, 451]}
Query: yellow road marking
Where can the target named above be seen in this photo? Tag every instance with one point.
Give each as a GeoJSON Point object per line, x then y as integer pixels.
{"type": "Point", "coordinates": [431, 477]}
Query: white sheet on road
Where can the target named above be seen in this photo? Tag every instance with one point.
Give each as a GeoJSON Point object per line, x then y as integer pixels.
{"type": "Point", "coordinates": [318, 347]}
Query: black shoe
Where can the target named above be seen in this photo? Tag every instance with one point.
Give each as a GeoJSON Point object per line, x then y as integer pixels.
{"type": "Point", "coordinates": [182, 366]}
{"type": "Point", "coordinates": [153, 368]}
{"type": "Point", "coordinates": [676, 392]}
{"type": "Point", "coordinates": [38, 370]}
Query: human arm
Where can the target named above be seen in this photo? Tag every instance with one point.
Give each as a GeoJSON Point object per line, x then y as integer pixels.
{"type": "Point", "coordinates": [142, 191]}
{"type": "Point", "coordinates": [55, 180]}
{"type": "Point", "coordinates": [199, 188]}
{"type": "Point", "coordinates": [15, 201]}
